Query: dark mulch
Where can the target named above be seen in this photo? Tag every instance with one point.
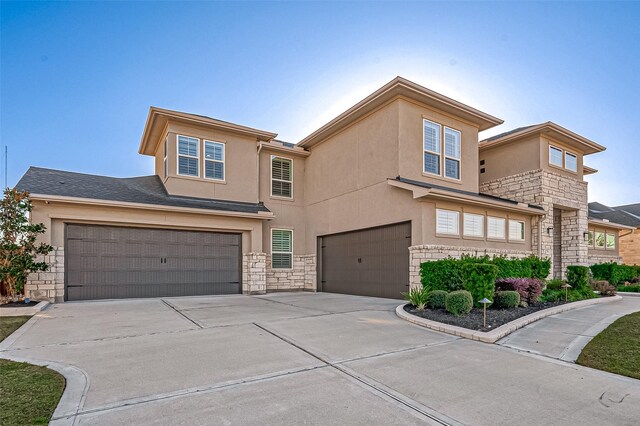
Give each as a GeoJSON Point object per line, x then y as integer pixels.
{"type": "Point", "coordinates": [473, 320]}
{"type": "Point", "coordinates": [19, 304]}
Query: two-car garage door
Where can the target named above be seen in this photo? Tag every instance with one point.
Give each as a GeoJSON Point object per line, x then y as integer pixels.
{"type": "Point", "coordinates": [109, 262]}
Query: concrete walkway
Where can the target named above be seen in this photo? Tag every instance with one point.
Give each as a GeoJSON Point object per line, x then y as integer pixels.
{"type": "Point", "coordinates": [303, 358]}
{"type": "Point", "coordinates": [563, 336]}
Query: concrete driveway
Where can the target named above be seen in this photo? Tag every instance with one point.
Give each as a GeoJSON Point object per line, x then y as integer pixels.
{"type": "Point", "coordinates": [305, 358]}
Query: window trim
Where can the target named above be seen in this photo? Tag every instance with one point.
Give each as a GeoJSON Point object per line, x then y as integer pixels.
{"type": "Point", "coordinates": [178, 155]}
{"type": "Point", "coordinates": [281, 252]}
{"type": "Point", "coordinates": [448, 234]}
{"type": "Point", "coordinates": [504, 226]}
{"type": "Point", "coordinates": [424, 150]}
{"type": "Point", "coordinates": [444, 154]}
{"type": "Point", "coordinates": [205, 159]}
{"type": "Point", "coordinates": [165, 159]}
{"type": "Point", "coordinates": [271, 178]}
{"type": "Point", "coordinates": [524, 231]}
{"type": "Point", "coordinates": [565, 161]}
{"type": "Point", "coordinates": [561, 165]}
{"type": "Point", "coordinates": [482, 227]}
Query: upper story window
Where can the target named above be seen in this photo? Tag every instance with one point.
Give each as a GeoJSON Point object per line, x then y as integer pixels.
{"type": "Point", "coordinates": [447, 222]}
{"type": "Point", "coordinates": [281, 248]}
{"type": "Point", "coordinates": [495, 227]}
{"type": "Point", "coordinates": [281, 177]}
{"type": "Point", "coordinates": [516, 230]}
{"type": "Point", "coordinates": [166, 167]}
{"type": "Point", "coordinates": [571, 161]}
{"type": "Point", "coordinates": [473, 225]}
{"type": "Point", "coordinates": [213, 160]}
{"type": "Point", "coordinates": [188, 156]}
{"type": "Point", "coordinates": [555, 156]}
{"type": "Point", "coordinates": [433, 148]}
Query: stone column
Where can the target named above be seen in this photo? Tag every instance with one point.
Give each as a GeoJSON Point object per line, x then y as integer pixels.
{"type": "Point", "coordinates": [254, 273]}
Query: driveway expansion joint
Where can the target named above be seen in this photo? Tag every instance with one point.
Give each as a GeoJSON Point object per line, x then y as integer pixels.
{"type": "Point", "coordinates": [181, 314]}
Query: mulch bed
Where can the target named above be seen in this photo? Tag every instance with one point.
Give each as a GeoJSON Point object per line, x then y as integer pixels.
{"type": "Point", "coordinates": [473, 320]}
{"type": "Point", "coordinates": [19, 304]}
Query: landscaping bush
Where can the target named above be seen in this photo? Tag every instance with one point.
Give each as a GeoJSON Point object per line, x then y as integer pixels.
{"type": "Point", "coordinates": [445, 274]}
{"type": "Point", "coordinates": [480, 280]}
{"type": "Point", "coordinates": [555, 284]}
{"type": "Point", "coordinates": [629, 288]}
{"type": "Point", "coordinates": [417, 297]}
{"type": "Point", "coordinates": [614, 273]}
{"type": "Point", "coordinates": [604, 288]}
{"type": "Point", "coordinates": [458, 302]}
{"type": "Point", "coordinates": [436, 299]}
{"type": "Point", "coordinates": [635, 280]}
{"type": "Point", "coordinates": [528, 288]}
{"type": "Point", "coordinates": [506, 299]}
{"type": "Point", "coordinates": [578, 277]}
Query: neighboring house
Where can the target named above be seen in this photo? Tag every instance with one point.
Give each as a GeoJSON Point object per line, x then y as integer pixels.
{"type": "Point", "coordinates": [601, 217]}
{"type": "Point", "coordinates": [354, 207]}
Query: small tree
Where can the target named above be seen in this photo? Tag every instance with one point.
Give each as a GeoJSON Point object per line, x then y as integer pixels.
{"type": "Point", "coordinates": [18, 247]}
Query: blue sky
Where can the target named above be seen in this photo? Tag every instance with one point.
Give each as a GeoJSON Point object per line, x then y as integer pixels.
{"type": "Point", "coordinates": [77, 79]}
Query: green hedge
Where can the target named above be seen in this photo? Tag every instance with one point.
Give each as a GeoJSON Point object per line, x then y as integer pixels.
{"type": "Point", "coordinates": [458, 302]}
{"type": "Point", "coordinates": [436, 299]}
{"type": "Point", "coordinates": [447, 274]}
{"type": "Point", "coordinates": [480, 280]}
{"type": "Point", "coordinates": [578, 277]}
{"type": "Point", "coordinates": [614, 273]}
{"type": "Point", "coordinates": [629, 288]}
{"type": "Point", "coordinates": [506, 299]}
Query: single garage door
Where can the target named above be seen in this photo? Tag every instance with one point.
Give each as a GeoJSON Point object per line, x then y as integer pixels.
{"type": "Point", "coordinates": [109, 262]}
{"type": "Point", "coordinates": [369, 262]}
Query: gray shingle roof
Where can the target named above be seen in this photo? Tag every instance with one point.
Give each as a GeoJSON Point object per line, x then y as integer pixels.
{"type": "Point", "coordinates": [624, 215]}
{"type": "Point", "coordinates": [143, 189]}
{"type": "Point", "coordinates": [633, 209]}
{"type": "Point", "coordinates": [492, 138]}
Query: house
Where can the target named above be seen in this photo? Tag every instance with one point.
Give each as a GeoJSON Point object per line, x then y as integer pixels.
{"type": "Point", "coordinates": [601, 216]}
{"type": "Point", "coordinates": [398, 179]}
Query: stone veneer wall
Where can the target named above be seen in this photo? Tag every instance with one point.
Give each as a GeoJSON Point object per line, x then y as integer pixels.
{"type": "Point", "coordinates": [254, 273]}
{"type": "Point", "coordinates": [301, 277]}
{"type": "Point", "coordinates": [548, 189]}
{"type": "Point", "coordinates": [48, 285]}
{"type": "Point", "coordinates": [429, 252]}
{"type": "Point", "coordinates": [603, 258]}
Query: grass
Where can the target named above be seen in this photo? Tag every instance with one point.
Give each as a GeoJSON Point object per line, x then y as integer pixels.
{"type": "Point", "coordinates": [616, 349]}
{"type": "Point", "coordinates": [29, 394]}
{"type": "Point", "coordinates": [10, 324]}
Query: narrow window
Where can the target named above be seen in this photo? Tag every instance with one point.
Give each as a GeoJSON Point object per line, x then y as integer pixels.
{"type": "Point", "coordinates": [555, 156]}
{"type": "Point", "coordinates": [188, 156]}
{"type": "Point", "coordinates": [281, 248]}
{"type": "Point", "coordinates": [473, 225]}
{"type": "Point", "coordinates": [590, 239]}
{"type": "Point", "coordinates": [611, 241]}
{"type": "Point", "coordinates": [600, 240]}
{"type": "Point", "coordinates": [451, 153]}
{"type": "Point", "coordinates": [516, 230]}
{"type": "Point", "coordinates": [213, 160]}
{"type": "Point", "coordinates": [431, 147]}
{"type": "Point", "coordinates": [281, 177]}
{"type": "Point", "coordinates": [166, 144]}
{"type": "Point", "coordinates": [571, 161]}
{"type": "Point", "coordinates": [495, 227]}
{"type": "Point", "coordinates": [447, 222]}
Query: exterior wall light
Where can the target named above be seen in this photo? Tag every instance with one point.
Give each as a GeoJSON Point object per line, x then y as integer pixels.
{"type": "Point", "coordinates": [550, 230]}
{"type": "Point", "coordinates": [585, 235]}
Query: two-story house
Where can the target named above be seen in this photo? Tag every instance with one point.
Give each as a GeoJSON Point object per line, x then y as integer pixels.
{"type": "Point", "coordinates": [355, 207]}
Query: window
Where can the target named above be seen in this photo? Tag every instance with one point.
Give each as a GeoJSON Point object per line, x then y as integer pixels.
{"type": "Point", "coordinates": [281, 248]}
{"type": "Point", "coordinates": [495, 227]}
{"type": "Point", "coordinates": [571, 161]}
{"type": "Point", "coordinates": [213, 160]}
{"type": "Point", "coordinates": [281, 177]}
{"type": "Point", "coordinates": [166, 143]}
{"type": "Point", "coordinates": [473, 225]}
{"type": "Point", "coordinates": [590, 242]}
{"type": "Point", "coordinates": [611, 241]}
{"type": "Point", "coordinates": [600, 241]}
{"type": "Point", "coordinates": [447, 222]}
{"type": "Point", "coordinates": [188, 156]}
{"type": "Point", "coordinates": [516, 230]}
{"type": "Point", "coordinates": [555, 156]}
{"type": "Point", "coordinates": [431, 147]}
{"type": "Point", "coordinates": [451, 153]}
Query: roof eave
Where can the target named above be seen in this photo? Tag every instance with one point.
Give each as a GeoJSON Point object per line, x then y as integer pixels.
{"type": "Point", "coordinates": [607, 224]}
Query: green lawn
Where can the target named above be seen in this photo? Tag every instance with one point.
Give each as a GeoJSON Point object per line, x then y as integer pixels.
{"type": "Point", "coordinates": [616, 349]}
{"type": "Point", "coordinates": [10, 324]}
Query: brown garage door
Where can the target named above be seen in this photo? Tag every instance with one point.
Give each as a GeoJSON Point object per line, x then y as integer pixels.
{"type": "Point", "coordinates": [108, 262]}
{"type": "Point", "coordinates": [369, 262]}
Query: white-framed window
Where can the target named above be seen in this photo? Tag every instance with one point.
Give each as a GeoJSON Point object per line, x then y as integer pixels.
{"type": "Point", "coordinates": [516, 230]}
{"type": "Point", "coordinates": [431, 147]}
{"type": "Point", "coordinates": [473, 225]}
{"type": "Point", "coordinates": [452, 153]}
{"type": "Point", "coordinates": [281, 248]}
{"type": "Point", "coordinates": [599, 240]}
{"type": "Point", "coordinates": [495, 227]}
{"type": "Point", "coordinates": [555, 156]}
{"type": "Point", "coordinates": [188, 156]}
{"type": "Point", "coordinates": [213, 160]}
{"type": "Point", "coordinates": [281, 177]}
{"type": "Point", "coordinates": [590, 242]}
{"type": "Point", "coordinates": [166, 146]}
{"type": "Point", "coordinates": [570, 161]}
{"type": "Point", "coordinates": [611, 241]}
{"type": "Point", "coordinates": [447, 222]}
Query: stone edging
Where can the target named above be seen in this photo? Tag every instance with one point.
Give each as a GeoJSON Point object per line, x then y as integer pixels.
{"type": "Point", "coordinates": [27, 310]}
{"type": "Point", "coordinates": [505, 329]}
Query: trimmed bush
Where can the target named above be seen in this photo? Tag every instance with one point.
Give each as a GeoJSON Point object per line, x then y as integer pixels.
{"type": "Point", "coordinates": [555, 284]}
{"type": "Point", "coordinates": [480, 280]}
{"type": "Point", "coordinates": [614, 273]}
{"type": "Point", "coordinates": [417, 297]}
{"type": "Point", "coordinates": [458, 302]}
{"type": "Point", "coordinates": [506, 299]}
{"type": "Point", "coordinates": [445, 274]}
{"type": "Point", "coordinates": [604, 288]}
{"type": "Point", "coordinates": [529, 289]}
{"type": "Point", "coordinates": [629, 288]}
{"type": "Point", "coordinates": [436, 299]}
{"type": "Point", "coordinates": [578, 277]}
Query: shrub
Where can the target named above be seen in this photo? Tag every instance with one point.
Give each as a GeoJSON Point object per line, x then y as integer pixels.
{"type": "Point", "coordinates": [614, 273]}
{"type": "Point", "coordinates": [528, 288]}
{"type": "Point", "coordinates": [458, 302]}
{"type": "Point", "coordinates": [578, 277]}
{"type": "Point", "coordinates": [445, 274]}
{"type": "Point", "coordinates": [604, 288]}
{"type": "Point", "coordinates": [555, 284]}
{"type": "Point", "coordinates": [506, 299]}
{"type": "Point", "coordinates": [417, 297]}
{"type": "Point", "coordinates": [551, 295]}
{"type": "Point", "coordinates": [480, 280]}
{"type": "Point", "coordinates": [436, 299]}
{"type": "Point", "coordinates": [629, 288]}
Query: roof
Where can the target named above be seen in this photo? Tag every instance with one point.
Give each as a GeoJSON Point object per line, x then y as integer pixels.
{"type": "Point", "coordinates": [401, 87]}
{"type": "Point", "coordinates": [143, 189]}
{"type": "Point", "coordinates": [622, 215]}
{"type": "Point", "coordinates": [549, 128]}
{"type": "Point", "coordinates": [633, 209]}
